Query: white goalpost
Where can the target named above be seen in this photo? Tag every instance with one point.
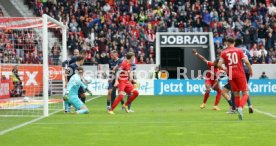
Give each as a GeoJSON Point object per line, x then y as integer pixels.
{"type": "Point", "coordinates": [37, 46]}
{"type": "Point", "coordinates": [45, 19]}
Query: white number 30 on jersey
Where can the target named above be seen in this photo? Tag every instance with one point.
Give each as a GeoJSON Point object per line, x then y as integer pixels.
{"type": "Point", "coordinates": [232, 58]}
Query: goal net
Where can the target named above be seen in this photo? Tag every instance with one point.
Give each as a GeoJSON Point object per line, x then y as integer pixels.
{"type": "Point", "coordinates": [31, 52]}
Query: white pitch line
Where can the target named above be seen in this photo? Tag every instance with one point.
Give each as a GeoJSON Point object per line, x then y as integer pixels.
{"type": "Point", "coordinates": [19, 116]}
{"type": "Point", "coordinates": [265, 113]}
{"type": "Point", "coordinates": [146, 122]}
{"type": "Point", "coordinates": [37, 119]}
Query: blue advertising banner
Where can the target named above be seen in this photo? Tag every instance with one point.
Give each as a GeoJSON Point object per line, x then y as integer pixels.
{"type": "Point", "coordinates": [197, 87]}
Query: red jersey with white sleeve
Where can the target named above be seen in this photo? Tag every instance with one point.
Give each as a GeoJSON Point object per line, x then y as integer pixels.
{"type": "Point", "coordinates": [124, 83]}
{"type": "Point", "coordinates": [212, 74]}
{"type": "Point", "coordinates": [233, 60]}
{"type": "Point", "coordinates": [125, 70]}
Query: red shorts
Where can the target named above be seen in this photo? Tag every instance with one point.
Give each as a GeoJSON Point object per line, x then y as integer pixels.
{"type": "Point", "coordinates": [238, 84]}
{"type": "Point", "coordinates": [210, 82]}
{"type": "Point", "coordinates": [125, 86]}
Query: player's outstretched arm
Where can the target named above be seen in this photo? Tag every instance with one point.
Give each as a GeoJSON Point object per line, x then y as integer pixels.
{"type": "Point", "coordinates": [116, 68]}
{"type": "Point", "coordinates": [66, 74]}
{"type": "Point", "coordinates": [116, 76]}
{"type": "Point", "coordinates": [82, 83]}
{"type": "Point", "coordinates": [88, 91]}
{"type": "Point", "coordinates": [65, 79]}
{"type": "Point", "coordinates": [70, 85]}
{"type": "Point", "coordinates": [247, 63]}
{"type": "Point", "coordinates": [199, 56]}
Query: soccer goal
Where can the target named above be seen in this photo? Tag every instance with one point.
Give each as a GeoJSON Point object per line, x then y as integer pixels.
{"type": "Point", "coordinates": [31, 84]}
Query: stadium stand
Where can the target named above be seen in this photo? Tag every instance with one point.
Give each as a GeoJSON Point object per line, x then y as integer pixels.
{"type": "Point", "coordinates": [18, 46]}
{"type": "Point", "coordinates": [101, 26]}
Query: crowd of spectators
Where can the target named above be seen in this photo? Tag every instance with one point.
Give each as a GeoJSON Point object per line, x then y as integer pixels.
{"type": "Point", "coordinates": [24, 46]}
{"type": "Point", "coordinates": [99, 26]}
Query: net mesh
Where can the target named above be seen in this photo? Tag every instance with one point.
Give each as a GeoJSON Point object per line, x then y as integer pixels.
{"type": "Point", "coordinates": [21, 67]}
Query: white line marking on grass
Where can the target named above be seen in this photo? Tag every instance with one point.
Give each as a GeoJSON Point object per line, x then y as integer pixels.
{"type": "Point", "coordinates": [19, 116]}
{"type": "Point", "coordinates": [203, 122]}
{"type": "Point", "coordinates": [37, 119]}
{"type": "Point", "coordinates": [265, 113]}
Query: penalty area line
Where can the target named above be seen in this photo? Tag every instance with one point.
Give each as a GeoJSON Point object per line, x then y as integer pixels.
{"type": "Point", "coordinates": [35, 120]}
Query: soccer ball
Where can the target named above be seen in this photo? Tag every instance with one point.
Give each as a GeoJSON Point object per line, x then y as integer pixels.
{"type": "Point", "coordinates": [87, 80]}
{"type": "Point", "coordinates": [26, 99]}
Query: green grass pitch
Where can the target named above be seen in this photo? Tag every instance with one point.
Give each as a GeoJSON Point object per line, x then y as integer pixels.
{"type": "Point", "coordinates": [157, 121]}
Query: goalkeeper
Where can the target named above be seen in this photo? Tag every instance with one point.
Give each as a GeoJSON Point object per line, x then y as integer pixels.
{"type": "Point", "coordinates": [71, 95]}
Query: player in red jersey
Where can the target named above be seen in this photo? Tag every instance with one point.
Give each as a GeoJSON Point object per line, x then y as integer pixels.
{"type": "Point", "coordinates": [123, 82]}
{"type": "Point", "coordinates": [211, 81]}
{"type": "Point", "coordinates": [233, 59]}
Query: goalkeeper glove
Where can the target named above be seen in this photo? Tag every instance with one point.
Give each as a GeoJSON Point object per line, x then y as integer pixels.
{"type": "Point", "coordinates": [65, 96]}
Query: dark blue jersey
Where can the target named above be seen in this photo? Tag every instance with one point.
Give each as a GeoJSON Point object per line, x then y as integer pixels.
{"type": "Point", "coordinates": [113, 64]}
{"type": "Point", "coordinates": [71, 70]}
{"type": "Point", "coordinates": [247, 54]}
{"type": "Point", "coordinates": [119, 61]}
{"type": "Point", "coordinates": [72, 60]}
